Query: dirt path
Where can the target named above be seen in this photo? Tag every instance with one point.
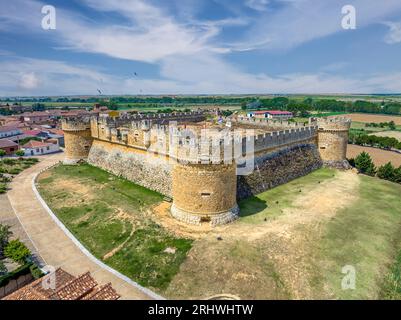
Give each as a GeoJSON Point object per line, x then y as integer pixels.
{"type": "Point", "coordinates": [269, 260]}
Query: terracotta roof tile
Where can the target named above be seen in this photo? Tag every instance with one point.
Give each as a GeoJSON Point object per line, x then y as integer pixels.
{"type": "Point", "coordinates": [105, 292]}
{"type": "Point", "coordinates": [67, 287]}
{"type": "Point", "coordinates": [76, 288]}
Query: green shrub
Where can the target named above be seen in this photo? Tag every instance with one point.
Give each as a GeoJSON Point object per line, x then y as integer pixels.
{"type": "Point", "coordinates": [3, 170]}
{"type": "Point", "coordinates": [36, 272]}
{"type": "Point", "coordinates": [15, 171]}
{"type": "Point", "coordinates": [9, 162]}
{"type": "Point", "coordinates": [17, 251]}
{"type": "Point", "coordinates": [3, 269]}
{"type": "Point", "coordinates": [20, 153]}
{"type": "Point", "coordinates": [364, 164]}
{"type": "Point", "coordinates": [5, 235]}
{"type": "Point", "coordinates": [2, 153]}
{"type": "Point", "coordinates": [386, 172]}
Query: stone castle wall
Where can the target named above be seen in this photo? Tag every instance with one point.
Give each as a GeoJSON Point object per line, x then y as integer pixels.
{"type": "Point", "coordinates": [77, 145]}
{"type": "Point", "coordinates": [149, 171]}
{"type": "Point", "coordinates": [279, 167]}
{"type": "Point", "coordinates": [204, 189]}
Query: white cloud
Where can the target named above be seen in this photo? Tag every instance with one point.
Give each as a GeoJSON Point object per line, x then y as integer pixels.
{"type": "Point", "coordinates": [258, 5]}
{"type": "Point", "coordinates": [191, 59]}
{"type": "Point", "coordinates": [394, 34]}
{"type": "Point", "coordinates": [29, 81]}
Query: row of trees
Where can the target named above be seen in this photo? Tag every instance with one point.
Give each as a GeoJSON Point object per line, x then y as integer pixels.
{"type": "Point", "coordinates": [363, 162]}
{"type": "Point", "coordinates": [331, 105]}
{"type": "Point", "coordinates": [363, 139]}
{"type": "Point", "coordinates": [281, 103]}
{"type": "Point", "coordinates": [391, 125]}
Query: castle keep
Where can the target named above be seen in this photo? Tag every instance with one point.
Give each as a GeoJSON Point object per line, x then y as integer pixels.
{"type": "Point", "coordinates": [205, 167]}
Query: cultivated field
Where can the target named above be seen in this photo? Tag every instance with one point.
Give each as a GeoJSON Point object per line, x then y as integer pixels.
{"type": "Point", "coordinates": [291, 242]}
{"type": "Point", "coordinates": [375, 118]}
{"type": "Point", "coordinates": [379, 156]}
{"type": "Point", "coordinates": [390, 134]}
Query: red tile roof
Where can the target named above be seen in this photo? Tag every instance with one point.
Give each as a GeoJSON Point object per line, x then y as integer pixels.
{"type": "Point", "coordinates": [5, 143]}
{"type": "Point", "coordinates": [66, 287]}
{"type": "Point", "coordinates": [35, 144]}
{"type": "Point", "coordinates": [273, 112]}
{"type": "Point", "coordinates": [8, 128]}
{"type": "Point", "coordinates": [32, 132]}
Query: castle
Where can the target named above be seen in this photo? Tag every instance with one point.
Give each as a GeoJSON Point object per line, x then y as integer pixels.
{"type": "Point", "coordinates": [198, 163]}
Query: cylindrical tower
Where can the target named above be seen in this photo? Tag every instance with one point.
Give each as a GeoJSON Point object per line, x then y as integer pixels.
{"type": "Point", "coordinates": [204, 193]}
{"type": "Point", "coordinates": [77, 138]}
{"type": "Point", "coordinates": [333, 139]}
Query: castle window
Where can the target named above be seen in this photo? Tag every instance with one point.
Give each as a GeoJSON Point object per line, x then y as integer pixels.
{"type": "Point", "coordinates": [323, 148]}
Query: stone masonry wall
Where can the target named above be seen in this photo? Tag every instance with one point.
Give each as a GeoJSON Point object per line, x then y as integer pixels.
{"type": "Point", "coordinates": [277, 168]}
{"type": "Point", "coordinates": [135, 165]}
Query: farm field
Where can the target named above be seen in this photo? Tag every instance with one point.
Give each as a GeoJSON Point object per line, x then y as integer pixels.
{"type": "Point", "coordinates": [379, 156]}
{"type": "Point", "coordinates": [291, 242]}
{"type": "Point", "coordinates": [375, 118]}
{"type": "Point", "coordinates": [390, 134]}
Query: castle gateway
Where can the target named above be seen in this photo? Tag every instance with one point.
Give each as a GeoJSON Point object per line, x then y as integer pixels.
{"type": "Point", "coordinates": [205, 167]}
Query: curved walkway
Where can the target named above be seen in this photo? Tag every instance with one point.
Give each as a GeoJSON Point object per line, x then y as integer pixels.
{"type": "Point", "coordinates": [51, 243]}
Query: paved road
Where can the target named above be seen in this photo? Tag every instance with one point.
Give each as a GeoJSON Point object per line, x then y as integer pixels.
{"type": "Point", "coordinates": [48, 240]}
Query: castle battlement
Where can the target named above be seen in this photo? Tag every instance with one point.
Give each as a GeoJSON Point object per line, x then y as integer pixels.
{"type": "Point", "coordinates": [334, 123]}
{"type": "Point", "coordinates": [205, 157]}
{"type": "Point", "coordinates": [270, 123]}
{"type": "Point", "coordinates": [76, 123]}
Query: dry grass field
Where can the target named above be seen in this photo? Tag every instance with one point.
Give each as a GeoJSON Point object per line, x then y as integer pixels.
{"type": "Point", "coordinates": [375, 118]}
{"type": "Point", "coordinates": [291, 242]}
{"type": "Point", "coordinates": [390, 134]}
{"type": "Point", "coordinates": [379, 156]}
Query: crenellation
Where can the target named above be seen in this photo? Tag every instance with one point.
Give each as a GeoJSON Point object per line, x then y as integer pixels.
{"type": "Point", "coordinates": [175, 155]}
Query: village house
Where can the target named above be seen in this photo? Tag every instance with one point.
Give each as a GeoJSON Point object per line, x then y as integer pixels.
{"type": "Point", "coordinates": [37, 148]}
{"type": "Point", "coordinates": [8, 146]}
{"type": "Point", "coordinates": [270, 114]}
{"type": "Point", "coordinates": [9, 131]}
{"type": "Point", "coordinates": [66, 287]}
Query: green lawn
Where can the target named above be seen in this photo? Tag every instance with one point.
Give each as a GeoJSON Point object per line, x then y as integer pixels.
{"type": "Point", "coordinates": [367, 236]}
{"type": "Point", "coordinates": [105, 213]}
{"type": "Point", "coordinates": [270, 204]}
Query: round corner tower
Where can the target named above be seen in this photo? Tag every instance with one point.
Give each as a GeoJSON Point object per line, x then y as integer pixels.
{"type": "Point", "coordinates": [333, 139]}
{"type": "Point", "coordinates": [78, 139]}
{"type": "Point", "coordinates": [204, 193]}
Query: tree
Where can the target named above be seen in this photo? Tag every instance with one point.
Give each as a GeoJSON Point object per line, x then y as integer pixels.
{"type": "Point", "coordinates": [20, 153]}
{"type": "Point", "coordinates": [2, 153]}
{"type": "Point", "coordinates": [5, 235]}
{"type": "Point", "coordinates": [364, 164]}
{"type": "Point", "coordinates": [3, 269]}
{"type": "Point", "coordinates": [17, 251]}
{"type": "Point", "coordinates": [397, 175]}
{"type": "Point", "coordinates": [386, 172]}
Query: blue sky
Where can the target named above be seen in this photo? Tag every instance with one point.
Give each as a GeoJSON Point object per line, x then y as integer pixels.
{"type": "Point", "coordinates": [199, 47]}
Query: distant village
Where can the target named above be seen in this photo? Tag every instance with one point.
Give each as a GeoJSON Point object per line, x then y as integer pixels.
{"type": "Point", "coordinates": [30, 133]}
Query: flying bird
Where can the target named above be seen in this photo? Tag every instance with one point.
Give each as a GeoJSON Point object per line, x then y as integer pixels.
{"type": "Point", "coordinates": [100, 92]}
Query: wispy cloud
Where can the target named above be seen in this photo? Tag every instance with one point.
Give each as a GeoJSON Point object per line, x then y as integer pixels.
{"type": "Point", "coordinates": [191, 57]}
{"type": "Point", "coordinates": [259, 5]}
{"type": "Point", "coordinates": [394, 34]}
